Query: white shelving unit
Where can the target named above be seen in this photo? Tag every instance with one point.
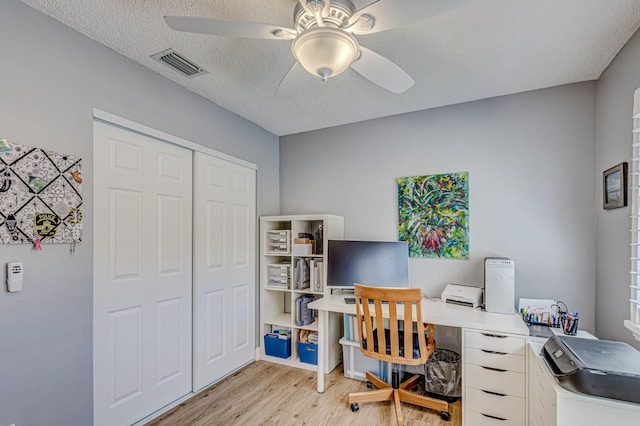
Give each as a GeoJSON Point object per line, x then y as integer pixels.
{"type": "Point", "coordinates": [278, 289]}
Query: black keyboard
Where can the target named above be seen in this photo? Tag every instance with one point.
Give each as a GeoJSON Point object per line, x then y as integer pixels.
{"type": "Point", "coordinates": [350, 300]}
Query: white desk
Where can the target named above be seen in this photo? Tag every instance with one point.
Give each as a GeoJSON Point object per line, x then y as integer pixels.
{"type": "Point", "coordinates": [433, 312]}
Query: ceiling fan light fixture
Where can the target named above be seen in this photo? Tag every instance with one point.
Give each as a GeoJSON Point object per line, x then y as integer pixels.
{"type": "Point", "coordinates": [325, 51]}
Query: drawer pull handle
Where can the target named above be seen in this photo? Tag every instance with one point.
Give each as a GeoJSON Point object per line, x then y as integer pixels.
{"type": "Point", "coordinates": [493, 352]}
{"type": "Point", "coordinates": [493, 369]}
{"type": "Point", "coordinates": [494, 335]}
{"type": "Point", "coordinates": [493, 393]}
{"type": "Point", "coordinates": [493, 417]}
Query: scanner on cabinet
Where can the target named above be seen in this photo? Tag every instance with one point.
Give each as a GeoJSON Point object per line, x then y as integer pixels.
{"type": "Point", "coordinates": [462, 295]}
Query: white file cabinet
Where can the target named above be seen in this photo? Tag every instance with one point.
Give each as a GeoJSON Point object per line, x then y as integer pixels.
{"type": "Point", "coordinates": [542, 394]}
{"type": "Point", "coordinates": [551, 405]}
{"type": "Point", "coordinates": [494, 379]}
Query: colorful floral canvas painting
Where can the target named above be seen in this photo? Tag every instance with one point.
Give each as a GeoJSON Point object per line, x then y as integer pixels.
{"type": "Point", "coordinates": [434, 215]}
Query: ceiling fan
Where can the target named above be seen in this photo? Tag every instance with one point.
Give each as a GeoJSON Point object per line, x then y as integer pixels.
{"type": "Point", "coordinates": [323, 41]}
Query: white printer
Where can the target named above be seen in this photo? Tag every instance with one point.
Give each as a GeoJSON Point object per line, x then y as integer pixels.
{"type": "Point", "coordinates": [462, 295]}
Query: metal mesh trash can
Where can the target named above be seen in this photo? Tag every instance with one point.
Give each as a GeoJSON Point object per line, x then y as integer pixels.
{"type": "Point", "coordinates": [443, 375]}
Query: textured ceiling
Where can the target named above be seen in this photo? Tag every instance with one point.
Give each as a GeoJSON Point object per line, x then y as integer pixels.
{"type": "Point", "coordinates": [484, 49]}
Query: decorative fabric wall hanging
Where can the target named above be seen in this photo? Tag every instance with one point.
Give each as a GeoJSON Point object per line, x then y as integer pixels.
{"type": "Point", "coordinates": [434, 215]}
{"type": "Point", "coordinates": [40, 196]}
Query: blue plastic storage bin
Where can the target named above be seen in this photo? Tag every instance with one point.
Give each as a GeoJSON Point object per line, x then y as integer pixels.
{"type": "Point", "coordinates": [275, 346]}
{"type": "Point", "coordinates": [308, 353]}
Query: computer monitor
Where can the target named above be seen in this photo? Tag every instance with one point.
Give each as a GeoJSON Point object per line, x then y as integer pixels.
{"type": "Point", "coordinates": [373, 263]}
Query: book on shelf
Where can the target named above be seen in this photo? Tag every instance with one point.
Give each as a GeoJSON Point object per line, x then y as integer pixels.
{"type": "Point", "coordinates": [351, 328]}
{"type": "Point", "coordinates": [316, 275]}
{"type": "Point", "coordinates": [347, 333]}
{"type": "Point", "coordinates": [312, 274]}
{"type": "Point", "coordinates": [301, 274]}
{"type": "Point", "coordinates": [320, 275]}
{"type": "Point", "coordinates": [304, 315]}
{"type": "Point", "coordinates": [281, 333]}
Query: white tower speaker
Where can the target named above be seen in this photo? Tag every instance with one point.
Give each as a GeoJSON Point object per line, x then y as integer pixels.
{"type": "Point", "coordinates": [499, 285]}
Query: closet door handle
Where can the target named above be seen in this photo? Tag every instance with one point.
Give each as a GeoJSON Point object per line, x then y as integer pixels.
{"type": "Point", "coordinates": [493, 352]}
{"type": "Point", "coordinates": [493, 393]}
{"type": "Point", "coordinates": [494, 335]}
{"type": "Point", "coordinates": [493, 369]}
{"type": "Point", "coordinates": [494, 417]}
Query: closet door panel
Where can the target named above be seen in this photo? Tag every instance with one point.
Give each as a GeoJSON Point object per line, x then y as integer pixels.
{"type": "Point", "coordinates": [241, 326]}
{"type": "Point", "coordinates": [224, 268]}
{"type": "Point", "coordinates": [170, 316]}
{"type": "Point", "coordinates": [215, 311]}
{"type": "Point", "coordinates": [142, 274]}
{"type": "Point", "coordinates": [214, 235]}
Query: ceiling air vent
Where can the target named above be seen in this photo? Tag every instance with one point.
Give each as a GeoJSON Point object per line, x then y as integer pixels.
{"type": "Point", "coordinates": [179, 63]}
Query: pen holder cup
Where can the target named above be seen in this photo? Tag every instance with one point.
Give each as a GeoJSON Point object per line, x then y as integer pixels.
{"type": "Point", "coordinates": [569, 324]}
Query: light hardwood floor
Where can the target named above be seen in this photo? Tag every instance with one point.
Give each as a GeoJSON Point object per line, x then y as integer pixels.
{"type": "Point", "coordinates": [268, 394]}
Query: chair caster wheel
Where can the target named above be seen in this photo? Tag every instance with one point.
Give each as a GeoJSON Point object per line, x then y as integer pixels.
{"type": "Point", "coordinates": [355, 407]}
{"type": "Point", "coordinates": [445, 416]}
{"type": "Point", "coordinates": [369, 385]}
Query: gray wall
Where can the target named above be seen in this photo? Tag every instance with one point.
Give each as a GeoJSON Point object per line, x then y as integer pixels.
{"type": "Point", "coordinates": [50, 80]}
{"type": "Point", "coordinates": [614, 94]}
{"type": "Point", "coordinates": [530, 159]}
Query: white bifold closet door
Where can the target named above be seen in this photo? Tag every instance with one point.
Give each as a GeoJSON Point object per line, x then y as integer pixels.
{"type": "Point", "coordinates": [224, 268]}
{"type": "Point", "coordinates": [142, 275]}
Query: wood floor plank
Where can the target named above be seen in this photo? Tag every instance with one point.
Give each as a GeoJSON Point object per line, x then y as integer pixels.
{"type": "Point", "coordinates": [268, 394]}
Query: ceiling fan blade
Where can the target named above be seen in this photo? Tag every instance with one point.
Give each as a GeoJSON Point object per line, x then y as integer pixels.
{"type": "Point", "coordinates": [382, 71]}
{"type": "Point", "coordinates": [193, 24]}
{"type": "Point", "coordinates": [389, 14]}
{"type": "Point", "coordinates": [292, 82]}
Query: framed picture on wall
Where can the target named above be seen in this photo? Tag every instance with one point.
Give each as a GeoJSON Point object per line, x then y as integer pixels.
{"type": "Point", "coordinates": [614, 187]}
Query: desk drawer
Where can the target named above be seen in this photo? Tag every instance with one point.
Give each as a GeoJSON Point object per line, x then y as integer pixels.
{"type": "Point", "coordinates": [500, 406]}
{"type": "Point", "coordinates": [474, 418]}
{"type": "Point", "coordinates": [505, 382]}
{"type": "Point", "coordinates": [495, 359]}
{"type": "Point", "coordinates": [498, 342]}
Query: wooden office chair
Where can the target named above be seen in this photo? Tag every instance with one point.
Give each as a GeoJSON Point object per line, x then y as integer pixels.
{"type": "Point", "coordinates": [394, 345]}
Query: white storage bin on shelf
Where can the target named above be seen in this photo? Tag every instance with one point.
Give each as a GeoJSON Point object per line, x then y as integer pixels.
{"type": "Point", "coordinates": [279, 275]}
{"type": "Point", "coordinates": [278, 241]}
{"type": "Point", "coordinates": [356, 364]}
